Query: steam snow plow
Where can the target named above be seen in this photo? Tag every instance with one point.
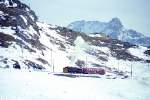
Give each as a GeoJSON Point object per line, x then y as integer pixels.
{"type": "Point", "coordinates": [84, 70]}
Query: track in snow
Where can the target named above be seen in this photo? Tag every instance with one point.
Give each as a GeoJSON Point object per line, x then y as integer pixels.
{"type": "Point", "coordinates": [71, 75]}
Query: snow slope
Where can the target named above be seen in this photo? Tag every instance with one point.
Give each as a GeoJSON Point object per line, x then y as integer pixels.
{"type": "Point", "coordinates": [45, 86]}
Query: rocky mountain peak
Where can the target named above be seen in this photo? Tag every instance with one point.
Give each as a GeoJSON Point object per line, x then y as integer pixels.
{"type": "Point", "coordinates": [16, 14]}
{"type": "Point", "coordinates": [18, 18]}
{"type": "Point", "coordinates": [115, 23]}
{"type": "Point", "coordinates": [13, 3]}
{"type": "Point", "coordinates": [114, 29]}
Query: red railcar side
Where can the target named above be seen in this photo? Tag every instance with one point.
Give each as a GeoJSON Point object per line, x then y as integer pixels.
{"type": "Point", "coordinates": [84, 70]}
{"type": "Point", "coordinates": [94, 71]}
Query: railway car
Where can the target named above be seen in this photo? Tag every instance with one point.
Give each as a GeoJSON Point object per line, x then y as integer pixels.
{"type": "Point", "coordinates": [93, 71]}
{"type": "Point", "coordinates": [72, 70]}
{"type": "Point", "coordinates": [84, 70]}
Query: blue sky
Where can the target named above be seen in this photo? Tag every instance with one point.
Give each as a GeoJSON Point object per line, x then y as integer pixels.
{"type": "Point", "coordinates": [134, 14]}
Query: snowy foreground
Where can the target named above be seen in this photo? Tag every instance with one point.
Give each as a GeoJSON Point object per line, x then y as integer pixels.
{"type": "Point", "coordinates": [18, 85]}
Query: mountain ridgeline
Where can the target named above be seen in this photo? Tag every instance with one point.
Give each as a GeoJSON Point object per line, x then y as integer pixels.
{"type": "Point", "coordinates": [26, 43]}
{"type": "Point", "coordinates": [113, 29]}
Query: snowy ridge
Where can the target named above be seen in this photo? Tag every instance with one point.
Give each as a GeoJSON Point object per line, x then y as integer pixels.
{"type": "Point", "coordinates": [33, 45]}
{"type": "Point", "coordinates": [113, 29]}
{"type": "Point", "coordinates": [9, 3]}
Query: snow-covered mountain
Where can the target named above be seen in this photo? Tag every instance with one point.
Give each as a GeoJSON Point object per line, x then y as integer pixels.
{"type": "Point", "coordinates": [37, 49]}
{"type": "Point", "coordinates": [27, 44]}
{"type": "Point", "coordinates": [114, 29]}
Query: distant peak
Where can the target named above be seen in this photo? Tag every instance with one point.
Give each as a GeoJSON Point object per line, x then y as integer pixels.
{"type": "Point", "coordinates": [115, 22]}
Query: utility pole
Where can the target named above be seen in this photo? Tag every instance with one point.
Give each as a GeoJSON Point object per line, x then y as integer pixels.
{"type": "Point", "coordinates": [148, 61]}
{"type": "Point", "coordinates": [118, 64]}
{"type": "Point", "coordinates": [86, 61]}
{"type": "Point", "coordinates": [148, 65]}
{"type": "Point", "coordinates": [105, 65]}
{"type": "Point", "coordinates": [53, 66]}
{"type": "Point", "coordinates": [51, 59]}
{"type": "Point", "coordinates": [22, 51]}
{"type": "Point", "coordinates": [131, 69]}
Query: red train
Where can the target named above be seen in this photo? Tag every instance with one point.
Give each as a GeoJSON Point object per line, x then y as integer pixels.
{"type": "Point", "coordinates": [84, 70]}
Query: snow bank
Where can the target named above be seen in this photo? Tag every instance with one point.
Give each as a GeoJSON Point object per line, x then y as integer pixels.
{"type": "Point", "coordinates": [18, 85]}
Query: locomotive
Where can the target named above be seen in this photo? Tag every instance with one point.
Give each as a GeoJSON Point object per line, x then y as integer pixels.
{"type": "Point", "coordinates": [84, 70]}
